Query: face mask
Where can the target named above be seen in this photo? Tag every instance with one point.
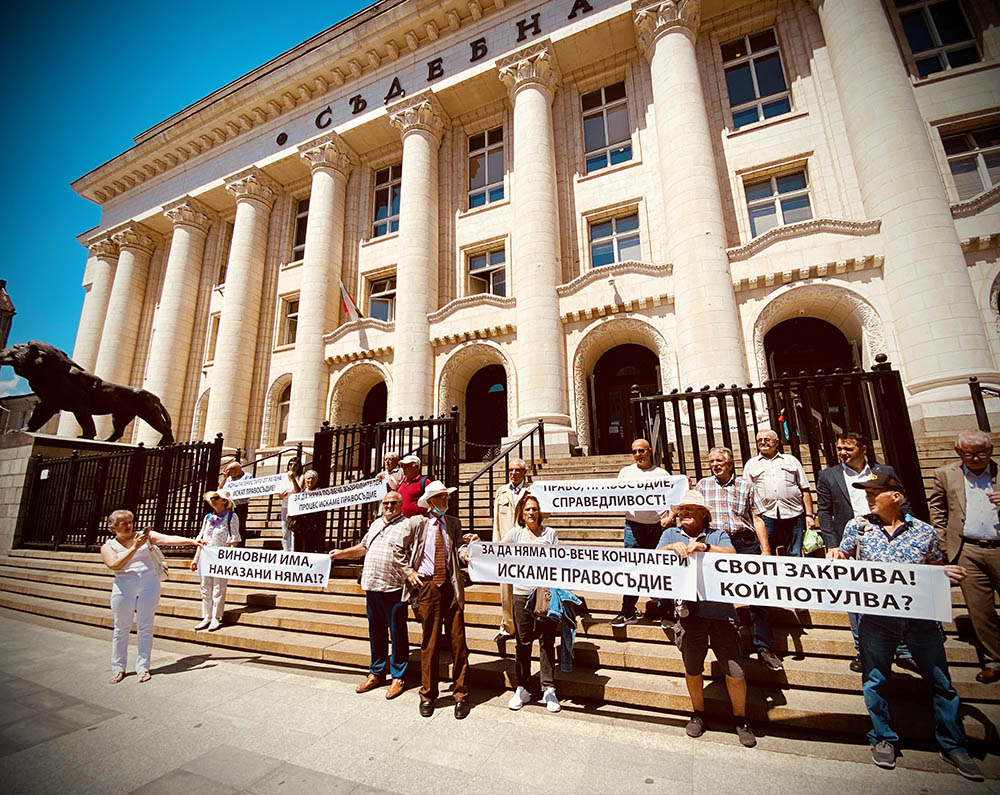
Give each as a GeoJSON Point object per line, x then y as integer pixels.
{"type": "Point", "coordinates": [437, 511]}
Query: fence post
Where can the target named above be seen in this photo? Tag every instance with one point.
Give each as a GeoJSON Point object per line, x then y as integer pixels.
{"type": "Point", "coordinates": [66, 514]}
{"type": "Point", "coordinates": [134, 479]}
{"type": "Point", "coordinates": [167, 456]}
{"type": "Point", "coordinates": [982, 418]}
{"type": "Point", "coordinates": [214, 464]}
{"type": "Point", "coordinates": [541, 439]}
{"type": "Point", "coordinates": [897, 440]}
{"type": "Point", "coordinates": [322, 450]}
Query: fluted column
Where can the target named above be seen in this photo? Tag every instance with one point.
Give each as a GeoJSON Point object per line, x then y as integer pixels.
{"type": "Point", "coordinates": [937, 321]}
{"type": "Point", "coordinates": [531, 76]}
{"type": "Point", "coordinates": [235, 348]}
{"type": "Point", "coordinates": [121, 325]}
{"type": "Point", "coordinates": [329, 158]}
{"type": "Point", "coordinates": [709, 343]}
{"type": "Point", "coordinates": [170, 348]}
{"type": "Point", "coordinates": [420, 121]}
{"type": "Point", "coordinates": [98, 279]}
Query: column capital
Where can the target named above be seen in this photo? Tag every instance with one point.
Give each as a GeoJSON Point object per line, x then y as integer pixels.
{"type": "Point", "coordinates": [422, 111]}
{"type": "Point", "coordinates": [254, 185]}
{"type": "Point", "coordinates": [654, 19]}
{"type": "Point", "coordinates": [533, 65]}
{"type": "Point", "coordinates": [134, 236]}
{"type": "Point", "coordinates": [188, 211]}
{"type": "Point", "coordinates": [328, 151]}
{"type": "Point", "coordinates": [103, 247]}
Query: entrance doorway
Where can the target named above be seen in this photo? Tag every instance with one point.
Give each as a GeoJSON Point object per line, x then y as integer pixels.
{"type": "Point", "coordinates": [807, 344]}
{"type": "Point", "coordinates": [376, 404]}
{"type": "Point", "coordinates": [485, 412]}
{"type": "Point", "coordinates": [611, 390]}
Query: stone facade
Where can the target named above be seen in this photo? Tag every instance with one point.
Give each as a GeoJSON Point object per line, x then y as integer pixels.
{"type": "Point", "coordinates": [672, 221]}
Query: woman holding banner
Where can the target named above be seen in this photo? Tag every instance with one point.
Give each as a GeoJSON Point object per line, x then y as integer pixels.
{"type": "Point", "coordinates": [309, 529]}
{"type": "Point", "coordinates": [294, 485]}
{"type": "Point", "coordinates": [221, 528]}
{"type": "Point", "coordinates": [528, 529]}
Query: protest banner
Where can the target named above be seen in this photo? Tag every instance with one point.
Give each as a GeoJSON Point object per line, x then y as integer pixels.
{"type": "Point", "coordinates": [608, 494]}
{"type": "Point", "coordinates": [244, 488]}
{"type": "Point", "coordinates": [336, 497]}
{"type": "Point", "coordinates": [903, 590]}
{"type": "Point", "coordinates": [647, 572]}
{"type": "Point", "coordinates": [265, 565]}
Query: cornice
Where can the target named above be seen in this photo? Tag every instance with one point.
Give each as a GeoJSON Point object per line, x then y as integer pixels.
{"type": "Point", "coordinates": [532, 65]}
{"type": "Point", "coordinates": [824, 270]}
{"type": "Point", "coordinates": [981, 243]}
{"type": "Point", "coordinates": [633, 305]}
{"type": "Point", "coordinates": [486, 333]}
{"type": "Point", "coordinates": [361, 324]}
{"type": "Point", "coordinates": [976, 204]}
{"type": "Point", "coordinates": [465, 302]}
{"type": "Point", "coordinates": [619, 268]}
{"type": "Point", "coordinates": [381, 353]}
{"type": "Point", "coordinates": [816, 225]}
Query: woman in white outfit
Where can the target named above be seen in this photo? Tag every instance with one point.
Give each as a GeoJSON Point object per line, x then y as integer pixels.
{"type": "Point", "coordinates": [294, 485]}
{"type": "Point", "coordinates": [221, 528]}
{"type": "Point", "coordinates": [136, 589]}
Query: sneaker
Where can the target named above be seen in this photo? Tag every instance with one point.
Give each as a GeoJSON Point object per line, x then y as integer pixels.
{"type": "Point", "coordinates": [746, 735]}
{"type": "Point", "coordinates": [551, 702]}
{"type": "Point", "coordinates": [769, 660]}
{"type": "Point", "coordinates": [214, 625]}
{"type": "Point", "coordinates": [203, 624]}
{"type": "Point", "coordinates": [695, 726]}
{"type": "Point", "coordinates": [519, 699]}
{"type": "Point", "coordinates": [884, 755]}
{"type": "Point", "coordinates": [856, 665]}
{"type": "Point", "coordinates": [964, 763]}
{"type": "Point", "coordinates": [623, 619]}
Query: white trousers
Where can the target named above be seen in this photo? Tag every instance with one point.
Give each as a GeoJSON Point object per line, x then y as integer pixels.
{"type": "Point", "coordinates": [286, 538]}
{"type": "Point", "coordinates": [213, 597]}
{"type": "Point", "coordinates": [133, 594]}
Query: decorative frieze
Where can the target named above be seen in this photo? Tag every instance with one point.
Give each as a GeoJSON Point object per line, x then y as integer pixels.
{"type": "Point", "coordinates": [838, 267]}
{"type": "Point", "coordinates": [487, 333]}
{"type": "Point", "coordinates": [607, 310]}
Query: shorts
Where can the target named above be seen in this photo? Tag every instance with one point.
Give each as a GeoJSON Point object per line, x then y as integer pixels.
{"type": "Point", "coordinates": [692, 636]}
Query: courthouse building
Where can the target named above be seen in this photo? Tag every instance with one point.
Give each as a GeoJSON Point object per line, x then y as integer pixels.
{"type": "Point", "coordinates": [535, 205]}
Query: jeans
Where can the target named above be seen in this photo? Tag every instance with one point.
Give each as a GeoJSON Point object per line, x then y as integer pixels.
{"type": "Point", "coordinates": [902, 652]}
{"type": "Point", "coordinates": [387, 619]}
{"type": "Point", "coordinates": [763, 637]}
{"type": "Point", "coordinates": [528, 629]}
{"type": "Point", "coordinates": [639, 536]}
{"type": "Point", "coordinates": [786, 533]}
{"type": "Point", "coordinates": [880, 635]}
{"type": "Point", "coordinates": [133, 594]}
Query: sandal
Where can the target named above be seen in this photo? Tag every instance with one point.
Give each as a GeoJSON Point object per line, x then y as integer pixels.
{"type": "Point", "coordinates": [116, 677]}
{"type": "Point", "coordinates": [144, 677]}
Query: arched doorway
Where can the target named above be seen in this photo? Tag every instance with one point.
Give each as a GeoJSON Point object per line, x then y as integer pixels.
{"type": "Point", "coordinates": [485, 412]}
{"type": "Point", "coordinates": [807, 344]}
{"type": "Point", "coordinates": [376, 404]}
{"type": "Point", "coordinates": [610, 392]}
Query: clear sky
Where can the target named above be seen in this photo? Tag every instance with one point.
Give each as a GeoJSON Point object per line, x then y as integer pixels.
{"type": "Point", "coordinates": [80, 81]}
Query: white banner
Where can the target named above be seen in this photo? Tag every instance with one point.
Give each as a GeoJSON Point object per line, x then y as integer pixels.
{"type": "Point", "coordinates": [265, 565]}
{"type": "Point", "coordinates": [904, 590]}
{"type": "Point", "coordinates": [603, 495]}
{"type": "Point", "coordinates": [647, 572]}
{"type": "Point", "coordinates": [336, 497]}
{"type": "Point", "coordinates": [244, 488]}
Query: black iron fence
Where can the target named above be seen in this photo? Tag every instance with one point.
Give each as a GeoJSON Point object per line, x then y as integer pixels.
{"type": "Point", "coordinates": [807, 412]}
{"type": "Point", "coordinates": [979, 393]}
{"type": "Point", "coordinates": [70, 498]}
{"type": "Point", "coordinates": [348, 453]}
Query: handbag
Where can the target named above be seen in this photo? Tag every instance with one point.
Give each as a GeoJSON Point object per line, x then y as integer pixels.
{"type": "Point", "coordinates": [159, 562]}
{"type": "Point", "coordinates": [543, 596]}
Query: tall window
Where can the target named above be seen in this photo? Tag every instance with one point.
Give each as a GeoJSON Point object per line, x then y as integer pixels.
{"type": "Point", "coordinates": [213, 337]}
{"type": "Point", "coordinates": [485, 167]}
{"type": "Point", "coordinates": [974, 159]}
{"type": "Point", "coordinates": [382, 299]}
{"type": "Point", "coordinates": [289, 320]}
{"type": "Point", "coordinates": [227, 242]}
{"type": "Point", "coordinates": [284, 403]}
{"type": "Point", "coordinates": [487, 273]}
{"type": "Point", "coordinates": [754, 78]}
{"type": "Point", "coordinates": [938, 34]}
{"type": "Point", "coordinates": [777, 201]}
{"type": "Point", "coordinates": [301, 219]}
{"type": "Point", "coordinates": [387, 185]}
{"type": "Point", "coordinates": [607, 136]}
{"type": "Point", "coordinates": [615, 240]}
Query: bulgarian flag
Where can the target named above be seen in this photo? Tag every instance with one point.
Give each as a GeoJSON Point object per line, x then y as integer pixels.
{"type": "Point", "coordinates": [349, 306]}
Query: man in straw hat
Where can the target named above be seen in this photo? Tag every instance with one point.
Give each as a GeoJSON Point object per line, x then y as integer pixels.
{"type": "Point", "coordinates": [698, 623]}
{"type": "Point", "coordinates": [430, 551]}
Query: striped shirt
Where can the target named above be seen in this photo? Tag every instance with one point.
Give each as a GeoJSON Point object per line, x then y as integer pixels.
{"type": "Point", "coordinates": [733, 505]}
{"type": "Point", "coordinates": [380, 572]}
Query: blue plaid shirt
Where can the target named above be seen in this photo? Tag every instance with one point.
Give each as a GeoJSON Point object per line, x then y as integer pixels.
{"type": "Point", "coordinates": [916, 542]}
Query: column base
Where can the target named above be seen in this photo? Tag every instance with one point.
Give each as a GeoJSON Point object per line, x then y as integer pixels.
{"type": "Point", "coordinates": [560, 435]}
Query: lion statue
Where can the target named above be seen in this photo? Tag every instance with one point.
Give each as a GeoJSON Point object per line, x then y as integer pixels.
{"type": "Point", "coordinates": [63, 385]}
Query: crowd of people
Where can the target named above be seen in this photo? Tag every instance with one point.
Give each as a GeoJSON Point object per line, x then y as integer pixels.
{"type": "Point", "coordinates": [414, 552]}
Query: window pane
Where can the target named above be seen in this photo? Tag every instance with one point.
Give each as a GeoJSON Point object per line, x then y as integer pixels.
{"type": "Point", "coordinates": [300, 231]}
{"type": "Point", "coordinates": [477, 142]}
{"type": "Point", "coordinates": [476, 262]}
{"type": "Point", "coordinates": [394, 206]}
{"type": "Point", "coordinates": [381, 203]}
{"type": "Point", "coordinates": [596, 162]}
{"type": "Point", "coordinates": [477, 285]}
{"type": "Point", "coordinates": [593, 133]}
{"type": "Point", "coordinates": [629, 248]}
{"type": "Point", "coordinates": [734, 49]}
{"type": "Point", "coordinates": [796, 209]}
{"type": "Point", "coordinates": [928, 66]}
{"type": "Point", "coordinates": [917, 34]}
{"type": "Point", "coordinates": [953, 144]}
{"type": "Point", "coordinates": [746, 116]}
{"type": "Point", "coordinates": [379, 309]}
{"type": "Point", "coordinates": [622, 154]}
{"type": "Point", "coordinates": [599, 230]}
{"type": "Point", "coordinates": [776, 108]}
{"type": "Point", "coordinates": [394, 226]}
{"type": "Point", "coordinates": [496, 194]}
{"type": "Point", "coordinates": [591, 100]}
{"type": "Point", "coordinates": [495, 136]}
{"type": "Point", "coordinates": [993, 167]}
{"type": "Point", "coordinates": [950, 22]}
{"type": "Point", "coordinates": [302, 206]}
{"type": "Point", "coordinates": [477, 199]}
{"type": "Point", "coordinates": [758, 190]}
{"type": "Point", "coordinates": [497, 257]}
{"type": "Point", "coordinates": [740, 85]}
{"type": "Point", "coordinates": [789, 182]}
{"type": "Point", "coordinates": [381, 176]}
{"type": "Point", "coordinates": [763, 40]}
{"type": "Point", "coordinates": [988, 137]}
{"type": "Point", "coordinates": [967, 179]}
{"type": "Point", "coordinates": [963, 57]}
{"type": "Point", "coordinates": [477, 171]}
{"type": "Point", "coordinates": [499, 283]}
{"type": "Point", "coordinates": [602, 253]}
{"type": "Point", "coordinates": [614, 92]}
{"type": "Point", "coordinates": [762, 219]}
{"type": "Point", "coordinates": [396, 172]}
{"type": "Point", "coordinates": [627, 224]}
{"type": "Point", "coordinates": [618, 127]}
{"type": "Point", "coordinates": [770, 80]}
{"type": "Point", "coordinates": [380, 229]}
{"type": "Point", "coordinates": [494, 166]}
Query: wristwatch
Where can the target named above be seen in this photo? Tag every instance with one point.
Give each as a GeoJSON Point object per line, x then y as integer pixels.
{"type": "Point", "coordinates": [708, 547]}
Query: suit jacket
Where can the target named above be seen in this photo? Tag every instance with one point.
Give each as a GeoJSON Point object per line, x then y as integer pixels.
{"type": "Point", "coordinates": [947, 505]}
{"type": "Point", "coordinates": [504, 504]}
{"type": "Point", "coordinates": [835, 509]}
{"type": "Point", "coordinates": [409, 551]}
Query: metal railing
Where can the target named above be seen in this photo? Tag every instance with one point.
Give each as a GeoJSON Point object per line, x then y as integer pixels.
{"type": "Point", "coordinates": [979, 392]}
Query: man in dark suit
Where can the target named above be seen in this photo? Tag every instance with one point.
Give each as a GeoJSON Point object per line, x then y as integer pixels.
{"type": "Point", "coordinates": [430, 551]}
{"type": "Point", "coordinates": [839, 504]}
{"type": "Point", "coordinates": [964, 505]}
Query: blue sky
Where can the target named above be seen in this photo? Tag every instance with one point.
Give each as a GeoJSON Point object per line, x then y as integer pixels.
{"type": "Point", "coordinates": [80, 81]}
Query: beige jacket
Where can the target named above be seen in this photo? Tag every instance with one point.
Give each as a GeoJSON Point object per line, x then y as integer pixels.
{"type": "Point", "coordinates": [947, 505]}
{"type": "Point", "coordinates": [408, 551]}
{"type": "Point", "coordinates": [504, 503]}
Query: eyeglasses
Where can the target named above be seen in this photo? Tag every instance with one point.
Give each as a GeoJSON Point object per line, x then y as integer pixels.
{"type": "Point", "coordinates": [390, 503]}
{"type": "Point", "coordinates": [214, 499]}
{"type": "Point", "coordinates": [643, 451]}
{"type": "Point", "coordinates": [971, 456]}
{"type": "Point", "coordinates": [518, 469]}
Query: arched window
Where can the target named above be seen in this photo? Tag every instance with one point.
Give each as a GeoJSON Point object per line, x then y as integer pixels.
{"type": "Point", "coordinates": [284, 402]}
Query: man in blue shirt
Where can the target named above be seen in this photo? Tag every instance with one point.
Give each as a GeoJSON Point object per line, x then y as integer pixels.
{"type": "Point", "coordinates": [888, 535]}
{"type": "Point", "coordinates": [699, 622]}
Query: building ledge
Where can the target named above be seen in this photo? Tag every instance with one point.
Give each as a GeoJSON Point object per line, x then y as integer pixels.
{"type": "Point", "coordinates": [835, 225]}
{"type": "Point", "coordinates": [607, 271]}
{"type": "Point", "coordinates": [467, 301]}
{"type": "Point", "coordinates": [825, 270]}
{"type": "Point", "coordinates": [976, 204]}
{"type": "Point", "coordinates": [359, 325]}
